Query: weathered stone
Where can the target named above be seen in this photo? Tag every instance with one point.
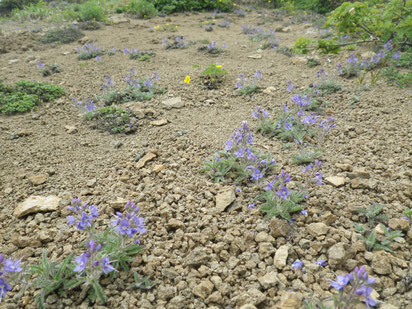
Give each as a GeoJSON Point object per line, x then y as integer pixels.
{"type": "Point", "coordinates": [381, 263]}
{"type": "Point", "coordinates": [299, 60]}
{"type": "Point", "coordinates": [166, 293]}
{"type": "Point", "coordinates": [118, 204]}
{"type": "Point", "coordinates": [215, 297]}
{"type": "Point", "coordinates": [255, 56]}
{"type": "Point", "coordinates": [203, 289]}
{"type": "Point", "coordinates": [118, 19]}
{"type": "Point", "coordinates": [269, 280]}
{"type": "Point", "coordinates": [158, 168]}
{"type": "Point", "coordinates": [252, 296]}
{"type": "Point", "coordinates": [317, 229]}
{"type": "Point", "coordinates": [265, 249]}
{"type": "Point", "coordinates": [224, 199]}
{"type": "Point", "coordinates": [359, 173]}
{"type": "Point", "coordinates": [146, 158]}
{"type": "Point", "coordinates": [158, 123]}
{"type": "Point", "coordinates": [197, 257]}
{"type": "Point", "coordinates": [270, 90]}
{"type": "Point", "coordinates": [264, 237]}
{"type": "Point", "coordinates": [281, 256]}
{"type": "Point", "coordinates": [175, 224]}
{"type": "Point", "coordinates": [38, 179]}
{"type": "Point", "coordinates": [398, 224]}
{"type": "Point", "coordinates": [70, 129]}
{"type": "Point", "coordinates": [248, 306]}
{"type": "Point", "coordinates": [336, 254]}
{"type": "Point", "coordinates": [336, 181]}
{"type": "Point", "coordinates": [35, 204]}
{"type": "Point", "coordinates": [291, 300]}
{"type": "Point", "coordinates": [173, 103]}
{"type": "Point", "coordinates": [279, 227]}
{"type": "Point", "coordinates": [368, 54]}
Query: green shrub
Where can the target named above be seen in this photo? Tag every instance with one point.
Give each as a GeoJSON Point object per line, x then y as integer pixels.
{"type": "Point", "coordinates": [62, 36]}
{"type": "Point", "coordinates": [170, 6]}
{"type": "Point", "coordinates": [92, 10]}
{"type": "Point", "coordinates": [318, 6]}
{"type": "Point", "coordinates": [6, 6]}
{"type": "Point", "coordinates": [25, 96]}
{"type": "Point", "coordinates": [141, 9]}
{"type": "Point", "coordinates": [112, 119]}
{"type": "Point", "coordinates": [45, 92]}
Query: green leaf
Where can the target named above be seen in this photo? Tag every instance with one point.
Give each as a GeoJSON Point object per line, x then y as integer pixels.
{"type": "Point", "coordinates": [99, 291]}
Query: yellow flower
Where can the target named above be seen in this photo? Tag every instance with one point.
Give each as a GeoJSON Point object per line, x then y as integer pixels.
{"type": "Point", "coordinates": [187, 79]}
{"type": "Point", "coordinates": [218, 66]}
{"type": "Point", "coordinates": [234, 4]}
{"type": "Point", "coordinates": [213, 79]}
{"type": "Point", "coordinates": [156, 27]}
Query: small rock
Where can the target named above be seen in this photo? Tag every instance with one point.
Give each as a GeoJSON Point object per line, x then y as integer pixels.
{"type": "Point", "coordinates": [269, 280]}
{"type": "Point", "coordinates": [368, 54]}
{"type": "Point", "coordinates": [175, 224]}
{"type": "Point", "coordinates": [264, 237]}
{"type": "Point", "coordinates": [203, 289]}
{"type": "Point", "coordinates": [38, 179]}
{"type": "Point", "coordinates": [317, 229]}
{"type": "Point", "coordinates": [70, 129]}
{"type": "Point", "coordinates": [336, 254]}
{"type": "Point", "coordinates": [118, 19]}
{"type": "Point", "coordinates": [255, 56]}
{"type": "Point", "coordinates": [381, 263]}
{"type": "Point", "coordinates": [388, 306]}
{"type": "Point", "coordinates": [173, 103]}
{"type": "Point", "coordinates": [224, 199]}
{"type": "Point", "coordinates": [336, 181]}
{"type": "Point", "coordinates": [166, 293]}
{"type": "Point", "coordinates": [12, 61]}
{"type": "Point", "coordinates": [35, 204]}
{"type": "Point", "coordinates": [146, 158]}
{"type": "Point", "coordinates": [286, 29]}
{"type": "Point", "coordinates": [85, 40]}
{"type": "Point", "coordinates": [215, 297]}
{"type": "Point", "coordinates": [8, 190]}
{"type": "Point", "coordinates": [270, 90]}
{"type": "Point", "coordinates": [252, 296]}
{"type": "Point", "coordinates": [357, 183]}
{"type": "Point", "coordinates": [359, 173]}
{"type": "Point", "coordinates": [398, 224]}
{"type": "Point", "coordinates": [91, 182]}
{"type": "Point", "coordinates": [291, 300]}
{"type": "Point", "coordinates": [197, 257]}
{"type": "Point", "coordinates": [281, 256]}
{"type": "Point", "coordinates": [158, 123]}
{"type": "Point", "coordinates": [158, 168]}
{"type": "Point", "coordinates": [279, 227]}
{"type": "Point", "coordinates": [248, 306]}
{"type": "Point", "coordinates": [299, 60]}
{"type": "Point", "coordinates": [118, 204]}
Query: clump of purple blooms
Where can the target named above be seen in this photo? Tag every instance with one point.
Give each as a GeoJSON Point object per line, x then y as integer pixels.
{"type": "Point", "coordinates": [212, 48]}
{"type": "Point", "coordinates": [86, 106]}
{"type": "Point", "coordinates": [136, 54]}
{"type": "Point", "coordinates": [89, 51]}
{"type": "Point", "coordinates": [178, 42]}
{"type": "Point", "coordinates": [239, 161]}
{"type": "Point", "coordinates": [247, 87]}
{"type": "Point", "coordinates": [129, 223]}
{"type": "Point", "coordinates": [353, 289]}
{"type": "Point", "coordinates": [10, 271]}
{"type": "Point", "coordinates": [83, 214]}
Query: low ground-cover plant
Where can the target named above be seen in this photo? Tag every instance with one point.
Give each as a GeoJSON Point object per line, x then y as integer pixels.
{"type": "Point", "coordinates": [353, 288]}
{"type": "Point", "coordinates": [136, 54]}
{"type": "Point", "coordinates": [239, 162]}
{"type": "Point", "coordinates": [213, 76]}
{"type": "Point", "coordinates": [245, 86]}
{"type": "Point", "coordinates": [377, 242]}
{"type": "Point", "coordinates": [112, 119]}
{"type": "Point", "coordinates": [26, 95]}
{"type": "Point", "coordinates": [62, 36]}
{"type": "Point", "coordinates": [177, 42]}
{"type": "Point", "coordinates": [170, 6]}
{"type": "Point", "coordinates": [141, 9]}
{"type": "Point", "coordinates": [47, 70]}
{"type": "Point", "coordinates": [89, 51]}
{"type": "Point", "coordinates": [212, 48]}
{"type": "Point", "coordinates": [135, 89]}
{"type": "Point", "coordinates": [92, 11]}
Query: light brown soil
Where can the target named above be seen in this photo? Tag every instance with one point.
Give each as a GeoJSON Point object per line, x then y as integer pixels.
{"type": "Point", "coordinates": [373, 134]}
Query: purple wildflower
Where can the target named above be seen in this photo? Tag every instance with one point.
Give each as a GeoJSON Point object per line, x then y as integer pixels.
{"type": "Point", "coordinates": [81, 262]}
{"type": "Point", "coordinates": [283, 192]}
{"type": "Point", "coordinates": [290, 86]}
{"type": "Point", "coordinates": [12, 266]}
{"type": "Point", "coordinates": [321, 263]}
{"type": "Point", "coordinates": [107, 268]}
{"type": "Point", "coordinates": [297, 264]}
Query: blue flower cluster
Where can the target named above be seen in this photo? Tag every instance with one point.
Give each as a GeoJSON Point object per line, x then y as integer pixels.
{"type": "Point", "coordinates": [83, 214]}
{"type": "Point", "coordinates": [9, 269]}
{"type": "Point", "coordinates": [129, 223]}
{"type": "Point", "coordinates": [90, 261]}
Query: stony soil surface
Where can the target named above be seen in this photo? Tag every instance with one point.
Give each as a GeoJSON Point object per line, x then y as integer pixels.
{"type": "Point", "coordinates": [198, 255]}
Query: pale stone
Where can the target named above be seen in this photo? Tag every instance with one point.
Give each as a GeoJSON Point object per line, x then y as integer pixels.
{"type": "Point", "coordinates": [255, 56]}
{"type": "Point", "coordinates": [35, 204]}
{"type": "Point", "coordinates": [381, 263]}
{"type": "Point", "coordinates": [158, 168]}
{"type": "Point", "coordinates": [368, 54]}
{"type": "Point", "coordinates": [336, 254]}
{"type": "Point", "coordinates": [175, 224]}
{"type": "Point", "coordinates": [291, 300]}
{"type": "Point", "coordinates": [203, 289]}
{"type": "Point", "coordinates": [224, 199]}
{"type": "Point", "coordinates": [173, 103]}
{"type": "Point", "coordinates": [336, 181]}
{"type": "Point", "coordinates": [118, 19]}
{"type": "Point", "coordinates": [158, 123]}
{"type": "Point", "coordinates": [70, 129]}
{"type": "Point", "coordinates": [317, 229]}
{"type": "Point", "coordinates": [281, 256]}
{"type": "Point", "coordinates": [299, 60]}
{"type": "Point", "coordinates": [118, 204]}
{"type": "Point", "coordinates": [269, 280]}
{"type": "Point", "coordinates": [38, 179]}
{"type": "Point", "coordinates": [248, 306]}
{"type": "Point", "coordinates": [146, 158]}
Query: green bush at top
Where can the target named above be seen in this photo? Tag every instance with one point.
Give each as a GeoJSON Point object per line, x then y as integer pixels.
{"type": "Point", "coordinates": [63, 36]}
{"type": "Point", "coordinates": [26, 95]}
{"type": "Point", "coordinates": [6, 6]}
{"type": "Point", "coordinates": [384, 21]}
{"type": "Point", "coordinates": [141, 9]}
{"type": "Point", "coordinates": [318, 6]}
{"type": "Point", "coordinates": [170, 6]}
{"type": "Point", "coordinates": [92, 10]}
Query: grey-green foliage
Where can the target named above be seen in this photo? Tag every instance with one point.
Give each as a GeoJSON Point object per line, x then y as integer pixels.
{"type": "Point", "coordinates": [377, 242]}
{"type": "Point", "coordinates": [373, 214]}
